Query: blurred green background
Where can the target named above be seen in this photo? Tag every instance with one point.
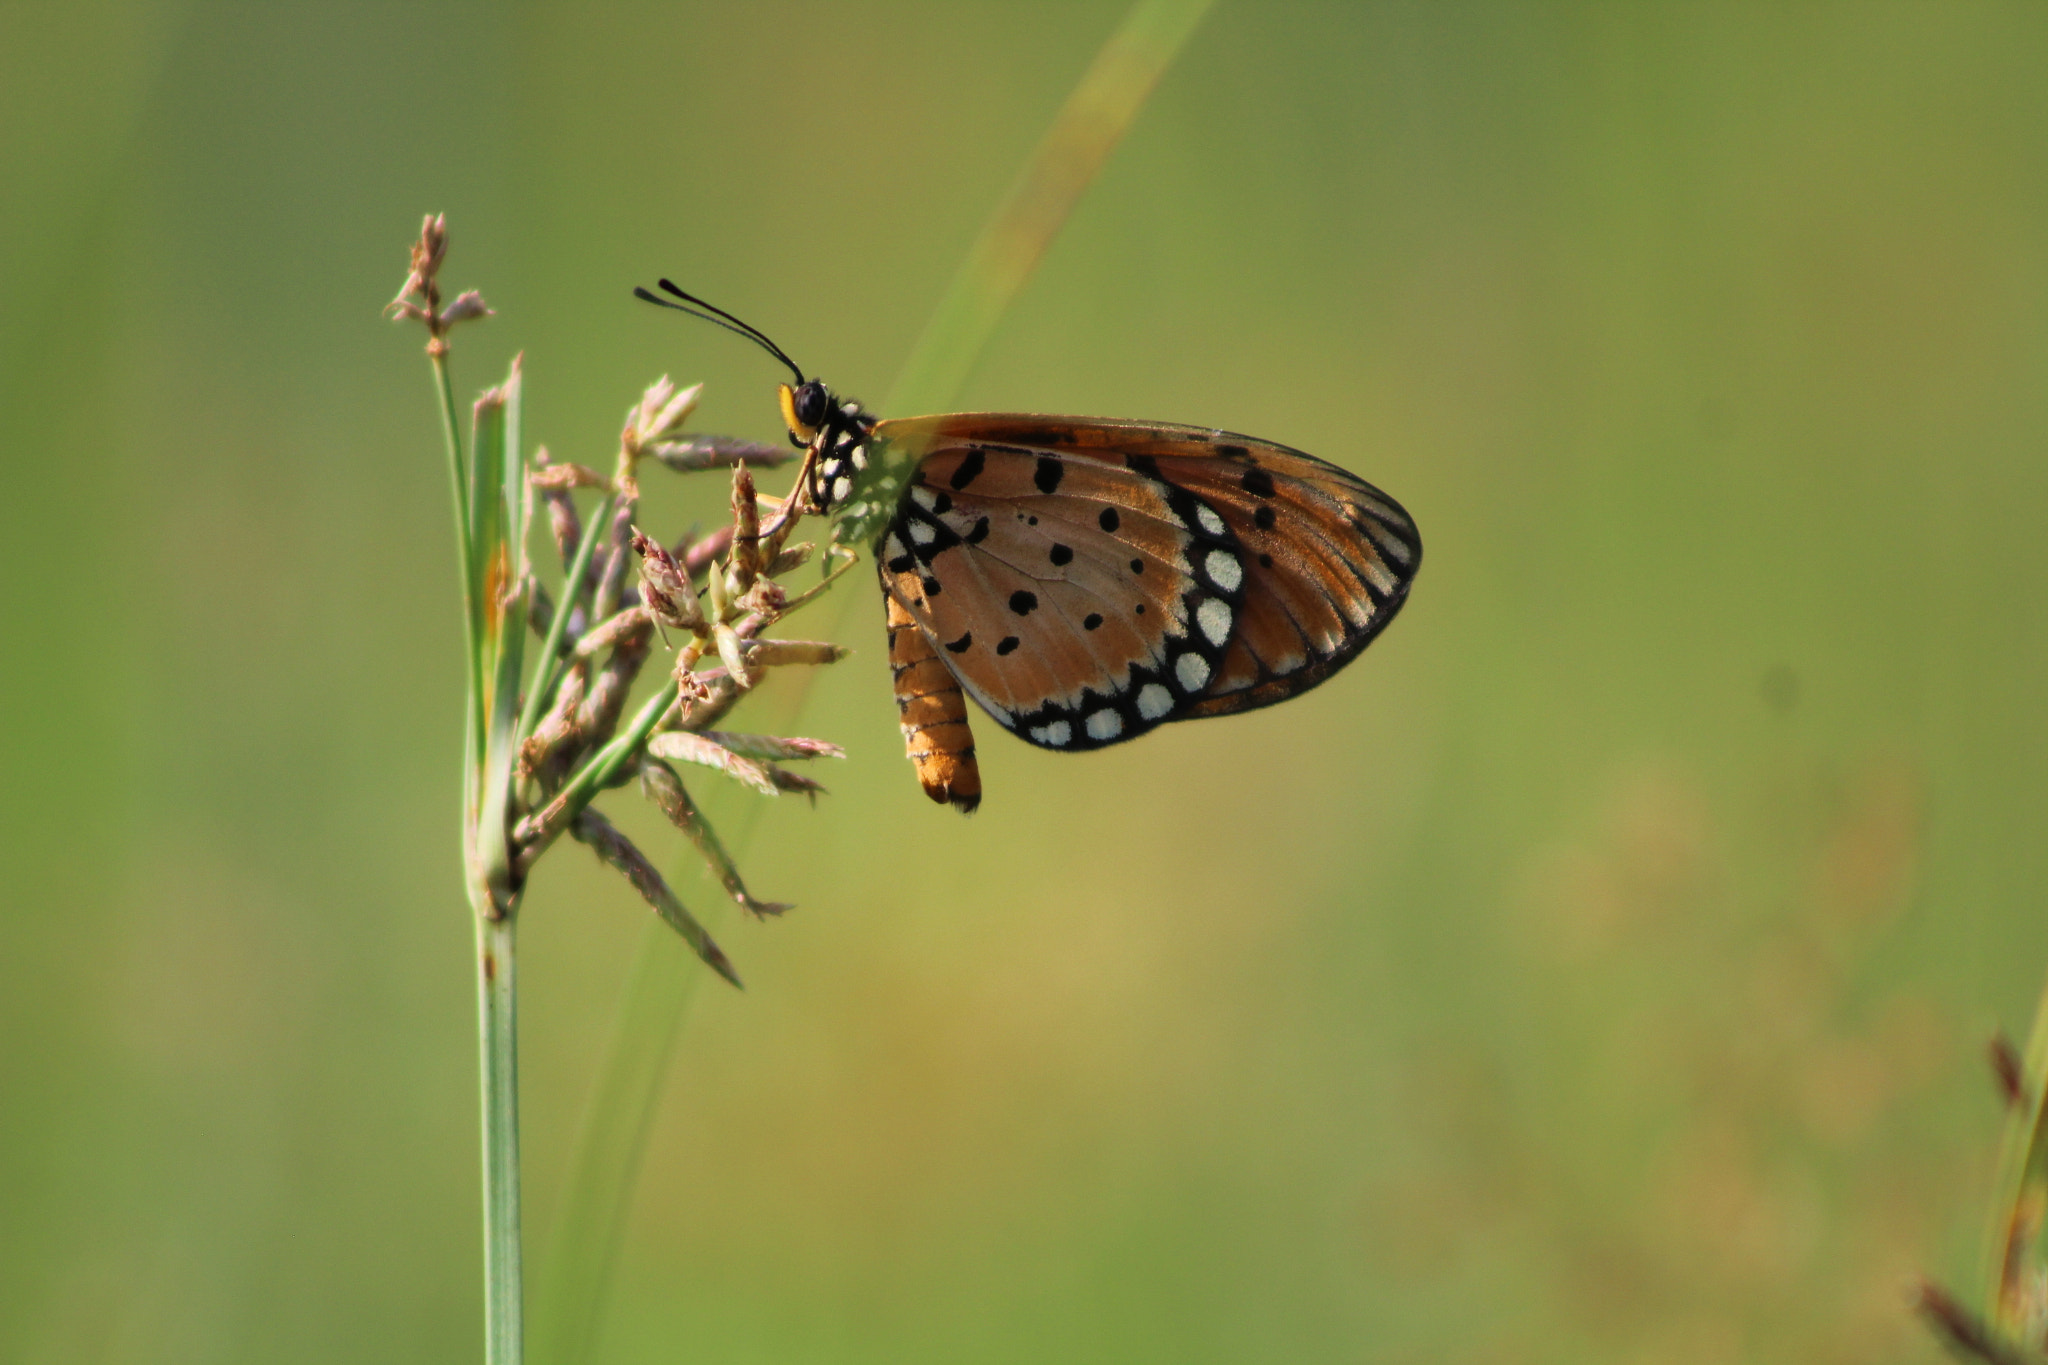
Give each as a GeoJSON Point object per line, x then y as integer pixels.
{"type": "Point", "coordinates": [1598, 970]}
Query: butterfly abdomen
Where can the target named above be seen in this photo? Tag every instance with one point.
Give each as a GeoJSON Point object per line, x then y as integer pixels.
{"type": "Point", "coordinates": [933, 713]}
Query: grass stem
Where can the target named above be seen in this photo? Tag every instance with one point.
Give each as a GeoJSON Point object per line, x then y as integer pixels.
{"type": "Point", "coordinates": [549, 667]}
{"type": "Point", "coordinates": [498, 1041]}
{"type": "Point", "coordinates": [458, 478]}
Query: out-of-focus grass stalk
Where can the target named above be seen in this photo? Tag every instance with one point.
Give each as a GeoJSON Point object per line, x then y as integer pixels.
{"type": "Point", "coordinates": [609, 1147]}
{"type": "Point", "coordinates": [1087, 129]}
{"type": "Point", "coordinates": [613, 1136]}
{"type": "Point", "coordinates": [2014, 1303]}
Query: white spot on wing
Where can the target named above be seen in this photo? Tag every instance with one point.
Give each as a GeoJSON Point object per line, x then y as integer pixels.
{"type": "Point", "coordinates": [859, 456]}
{"type": "Point", "coordinates": [1154, 701]}
{"type": "Point", "coordinates": [1105, 724]}
{"type": "Point", "coordinates": [1057, 733]}
{"type": "Point", "coordinates": [922, 533]}
{"type": "Point", "coordinates": [1213, 616]}
{"type": "Point", "coordinates": [1192, 670]}
{"type": "Point", "coordinates": [922, 496]}
{"type": "Point", "coordinates": [1224, 570]}
{"type": "Point", "coordinates": [1211, 523]}
{"type": "Point", "coordinates": [841, 486]}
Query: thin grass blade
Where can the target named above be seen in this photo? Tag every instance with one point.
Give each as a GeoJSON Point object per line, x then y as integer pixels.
{"type": "Point", "coordinates": [772, 747]}
{"type": "Point", "coordinates": [610, 1144]}
{"type": "Point", "coordinates": [502, 546]}
{"type": "Point", "coordinates": [684, 747]}
{"type": "Point", "coordinates": [1088, 128]}
{"type": "Point", "coordinates": [2014, 1304]}
{"type": "Point", "coordinates": [545, 825]}
{"type": "Point", "coordinates": [549, 667]}
{"type": "Point", "coordinates": [665, 789]}
{"type": "Point", "coordinates": [616, 850]}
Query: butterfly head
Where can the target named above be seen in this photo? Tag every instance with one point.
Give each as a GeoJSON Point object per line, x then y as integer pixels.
{"type": "Point", "coordinates": [835, 433]}
{"type": "Point", "coordinates": [805, 408]}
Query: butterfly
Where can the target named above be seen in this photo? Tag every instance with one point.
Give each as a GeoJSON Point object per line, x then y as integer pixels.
{"type": "Point", "coordinates": [1087, 580]}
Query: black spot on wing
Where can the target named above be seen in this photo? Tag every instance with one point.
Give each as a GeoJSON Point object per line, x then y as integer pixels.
{"type": "Point", "coordinates": [1257, 482]}
{"type": "Point", "coordinates": [1061, 554]}
{"type": "Point", "coordinates": [1023, 603]}
{"type": "Point", "coordinates": [1006, 644]}
{"type": "Point", "coordinates": [960, 645]}
{"type": "Point", "coordinates": [1048, 474]}
{"type": "Point", "coordinates": [968, 470]}
{"type": "Point", "coordinates": [1110, 520]}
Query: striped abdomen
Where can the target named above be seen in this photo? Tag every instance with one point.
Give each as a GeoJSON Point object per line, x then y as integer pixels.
{"type": "Point", "coordinates": [934, 714]}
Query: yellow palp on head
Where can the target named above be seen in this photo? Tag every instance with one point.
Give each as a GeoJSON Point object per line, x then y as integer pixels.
{"type": "Point", "coordinates": [798, 428]}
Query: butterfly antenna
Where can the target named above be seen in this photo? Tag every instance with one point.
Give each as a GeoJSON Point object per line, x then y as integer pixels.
{"type": "Point", "coordinates": [697, 308]}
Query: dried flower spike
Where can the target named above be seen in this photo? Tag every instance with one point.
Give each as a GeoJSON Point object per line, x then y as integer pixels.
{"type": "Point", "coordinates": [666, 588]}
{"type": "Point", "coordinates": [419, 299]}
{"type": "Point", "coordinates": [746, 524]}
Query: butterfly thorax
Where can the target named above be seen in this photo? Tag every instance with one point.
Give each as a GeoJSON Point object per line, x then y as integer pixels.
{"type": "Point", "coordinates": [855, 477]}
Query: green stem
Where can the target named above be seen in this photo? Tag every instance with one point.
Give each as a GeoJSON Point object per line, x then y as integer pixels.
{"type": "Point", "coordinates": [458, 477]}
{"type": "Point", "coordinates": [498, 1042]}
{"type": "Point", "coordinates": [550, 666]}
{"type": "Point", "coordinates": [591, 778]}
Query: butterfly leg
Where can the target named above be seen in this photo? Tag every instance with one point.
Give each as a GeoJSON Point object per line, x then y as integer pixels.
{"type": "Point", "coordinates": [934, 712]}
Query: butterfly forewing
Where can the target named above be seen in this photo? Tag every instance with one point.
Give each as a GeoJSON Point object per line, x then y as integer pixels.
{"type": "Point", "coordinates": [1088, 580]}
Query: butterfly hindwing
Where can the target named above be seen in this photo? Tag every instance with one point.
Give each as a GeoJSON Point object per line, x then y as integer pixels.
{"type": "Point", "coordinates": [1079, 602]}
{"type": "Point", "coordinates": [1086, 581]}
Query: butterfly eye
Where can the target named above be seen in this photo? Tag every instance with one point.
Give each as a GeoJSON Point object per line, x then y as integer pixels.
{"type": "Point", "coordinates": [812, 402]}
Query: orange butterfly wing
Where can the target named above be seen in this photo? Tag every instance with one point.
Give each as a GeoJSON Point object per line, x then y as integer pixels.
{"type": "Point", "coordinates": [1088, 580]}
